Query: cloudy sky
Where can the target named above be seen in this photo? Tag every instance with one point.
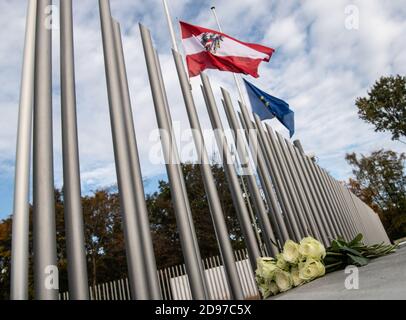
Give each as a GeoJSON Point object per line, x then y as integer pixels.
{"type": "Point", "coordinates": [320, 67]}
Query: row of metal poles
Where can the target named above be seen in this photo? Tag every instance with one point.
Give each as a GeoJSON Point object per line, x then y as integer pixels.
{"type": "Point", "coordinates": [293, 199]}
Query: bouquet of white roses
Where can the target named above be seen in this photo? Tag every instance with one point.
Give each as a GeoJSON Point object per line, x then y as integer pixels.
{"type": "Point", "coordinates": [297, 264]}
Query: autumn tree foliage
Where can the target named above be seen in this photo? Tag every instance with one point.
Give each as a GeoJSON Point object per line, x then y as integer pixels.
{"type": "Point", "coordinates": [385, 106]}
{"type": "Point", "coordinates": [380, 181]}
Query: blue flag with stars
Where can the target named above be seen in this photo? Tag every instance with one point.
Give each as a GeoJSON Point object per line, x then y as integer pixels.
{"type": "Point", "coordinates": [269, 107]}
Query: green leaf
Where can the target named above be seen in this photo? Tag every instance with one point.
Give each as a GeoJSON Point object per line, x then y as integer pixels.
{"type": "Point", "coordinates": [336, 245]}
{"type": "Point", "coordinates": [357, 240]}
{"type": "Point", "coordinates": [359, 261]}
{"type": "Point", "coordinates": [353, 251]}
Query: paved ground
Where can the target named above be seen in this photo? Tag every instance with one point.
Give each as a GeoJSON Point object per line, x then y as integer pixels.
{"type": "Point", "coordinates": [382, 279]}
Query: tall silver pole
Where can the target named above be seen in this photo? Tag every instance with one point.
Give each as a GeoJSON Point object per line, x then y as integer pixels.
{"type": "Point", "coordinates": [144, 224]}
{"type": "Point", "coordinates": [19, 246]}
{"type": "Point", "coordinates": [267, 177]}
{"type": "Point", "coordinates": [310, 188]}
{"type": "Point", "coordinates": [180, 171]}
{"type": "Point", "coordinates": [75, 243]}
{"type": "Point", "coordinates": [348, 212]}
{"type": "Point", "coordinates": [44, 235]}
{"type": "Point", "coordinates": [351, 199]}
{"type": "Point", "coordinates": [220, 227]}
{"type": "Point", "coordinates": [327, 198]}
{"type": "Point", "coordinates": [342, 204]}
{"type": "Point", "coordinates": [236, 80]}
{"type": "Point", "coordinates": [335, 206]}
{"type": "Point", "coordinates": [276, 151]}
{"type": "Point", "coordinates": [299, 194]}
{"type": "Point", "coordinates": [189, 211]}
{"type": "Point", "coordinates": [268, 234]}
{"type": "Point", "coordinates": [170, 26]}
{"type": "Point", "coordinates": [232, 178]}
{"type": "Point", "coordinates": [249, 206]}
{"type": "Point", "coordinates": [330, 214]}
{"type": "Point", "coordinates": [192, 261]}
{"type": "Point", "coordinates": [354, 212]}
{"type": "Point", "coordinates": [317, 190]}
{"type": "Point", "coordinates": [306, 189]}
{"type": "Point", "coordinates": [133, 242]}
{"type": "Point", "coordinates": [279, 187]}
{"type": "Point", "coordinates": [280, 214]}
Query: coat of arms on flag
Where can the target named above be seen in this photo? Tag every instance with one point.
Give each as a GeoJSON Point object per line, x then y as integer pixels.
{"type": "Point", "coordinates": [211, 41]}
{"type": "Point", "coordinates": [210, 49]}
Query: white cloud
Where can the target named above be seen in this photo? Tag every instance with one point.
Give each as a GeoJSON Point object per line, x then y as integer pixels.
{"type": "Point", "coordinates": [319, 67]}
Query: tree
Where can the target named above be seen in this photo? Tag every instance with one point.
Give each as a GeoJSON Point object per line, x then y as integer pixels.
{"type": "Point", "coordinates": [163, 223]}
{"type": "Point", "coordinates": [5, 257]}
{"type": "Point", "coordinates": [380, 182]}
{"type": "Point", "coordinates": [385, 106]}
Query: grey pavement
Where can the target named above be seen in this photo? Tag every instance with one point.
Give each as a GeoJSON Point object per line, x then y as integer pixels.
{"type": "Point", "coordinates": [382, 279]}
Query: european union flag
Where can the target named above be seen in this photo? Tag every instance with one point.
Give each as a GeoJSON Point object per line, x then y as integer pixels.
{"type": "Point", "coordinates": [268, 107]}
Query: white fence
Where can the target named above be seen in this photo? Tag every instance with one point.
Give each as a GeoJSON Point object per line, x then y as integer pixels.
{"type": "Point", "coordinates": [174, 282]}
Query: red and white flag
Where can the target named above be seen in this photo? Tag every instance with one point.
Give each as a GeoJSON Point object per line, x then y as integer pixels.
{"type": "Point", "coordinates": [210, 49]}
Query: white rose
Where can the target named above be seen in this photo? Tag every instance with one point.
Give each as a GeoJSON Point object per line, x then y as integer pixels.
{"type": "Point", "coordinates": [291, 252]}
{"type": "Point", "coordinates": [266, 268]}
{"type": "Point", "coordinates": [311, 269]}
{"type": "Point", "coordinates": [297, 281]}
{"type": "Point", "coordinates": [273, 287]}
{"type": "Point", "coordinates": [281, 262]}
{"type": "Point", "coordinates": [283, 280]}
{"type": "Point", "coordinates": [265, 290]}
{"type": "Point", "coordinates": [311, 248]}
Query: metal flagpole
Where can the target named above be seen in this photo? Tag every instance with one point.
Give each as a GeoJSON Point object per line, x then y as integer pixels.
{"type": "Point", "coordinates": [259, 205]}
{"type": "Point", "coordinates": [216, 211]}
{"type": "Point", "coordinates": [179, 168]}
{"type": "Point", "coordinates": [192, 260]}
{"type": "Point", "coordinates": [286, 195]}
{"type": "Point", "coordinates": [336, 208]}
{"type": "Point", "coordinates": [282, 219]}
{"type": "Point", "coordinates": [266, 177]}
{"type": "Point", "coordinates": [326, 196]}
{"type": "Point", "coordinates": [237, 83]}
{"type": "Point", "coordinates": [342, 205]}
{"type": "Point", "coordinates": [235, 189]}
{"type": "Point", "coordinates": [307, 189]}
{"type": "Point", "coordinates": [324, 210]}
{"type": "Point", "coordinates": [133, 241]}
{"type": "Point", "coordinates": [348, 212]}
{"type": "Point", "coordinates": [144, 224]}
{"type": "Point", "coordinates": [353, 212]}
{"type": "Point", "coordinates": [170, 26]}
{"type": "Point", "coordinates": [325, 200]}
{"type": "Point", "coordinates": [341, 190]}
{"type": "Point", "coordinates": [44, 236]}
{"type": "Point", "coordinates": [208, 179]}
{"type": "Point", "coordinates": [19, 247]}
{"type": "Point", "coordinates": [247, 196]}
{"type": "Point", "coordinates": [299, 194]}
{"type": "Point", "coordinates": [75, 243]}
{"type": "Point", "coordinates": [305, 193]}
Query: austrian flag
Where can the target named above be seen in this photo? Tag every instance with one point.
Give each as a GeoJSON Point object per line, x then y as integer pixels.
{"type": "Point", "coordinates": [210, 49]}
